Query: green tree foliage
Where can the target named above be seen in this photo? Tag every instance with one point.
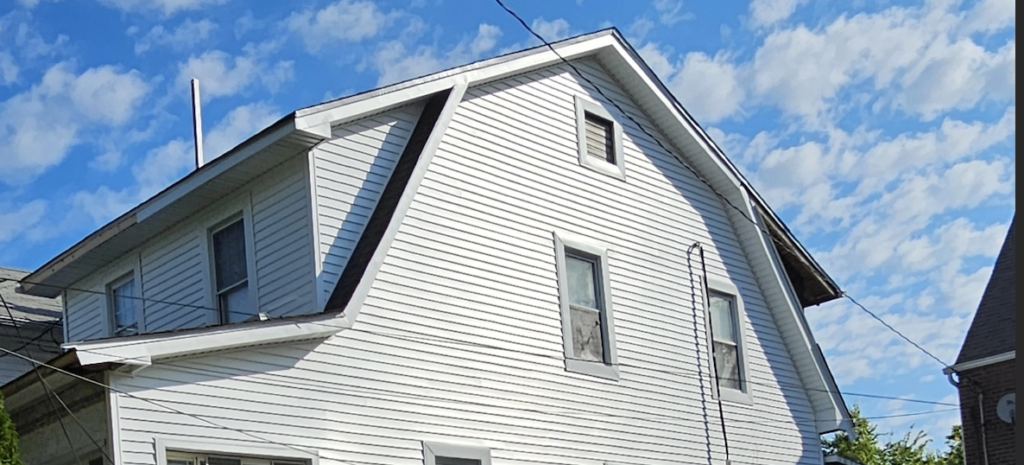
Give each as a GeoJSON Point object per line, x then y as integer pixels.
{"type": "Point", "coordinates": [8, 438]}
{"type": "Point", "coordinates": [911, 449]}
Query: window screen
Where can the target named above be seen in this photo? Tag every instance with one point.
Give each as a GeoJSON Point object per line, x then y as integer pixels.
{"type": "Point", "coordinates": [230, 270]}
{"type": "Point", "coordinates": [585, 307]}
{"type": "Point", "coordinates": [725, 331]}
{"type": "Point", "coordinates": [123, 302]}
{"type": "Point", "coordinates": [600, 142]}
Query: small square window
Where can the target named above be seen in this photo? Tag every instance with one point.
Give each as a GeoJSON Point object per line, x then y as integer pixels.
{"type": "Point", "coordinates": [124, 303]}
{"type": "Point", "coordinates": [599, 138]}
{"type": "Point", "coordinates": [584, 294]}
{"type": "Point", "coordinates": [230, 267]}
{"type": "Point", "coordinates": [725, 310]}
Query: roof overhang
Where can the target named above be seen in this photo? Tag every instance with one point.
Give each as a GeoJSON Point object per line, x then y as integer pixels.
{"type": "Point", "coordinates": [137, 352]}
{"type": "Point", "coordinates": [174, 204]}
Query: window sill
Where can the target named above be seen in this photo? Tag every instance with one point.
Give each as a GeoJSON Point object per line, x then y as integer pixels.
{"type": "Point", "coordinates": [596, 369]}
{"type": "Point", "coordinates": [735, 396]}
{"type": "Point", "coordinates": [604, 168]}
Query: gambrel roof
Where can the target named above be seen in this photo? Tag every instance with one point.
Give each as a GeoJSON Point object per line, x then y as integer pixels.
{"type": "Point", "coordinates": [789, 275]}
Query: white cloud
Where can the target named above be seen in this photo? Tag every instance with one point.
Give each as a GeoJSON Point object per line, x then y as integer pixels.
{"type": "Point", "coordinates": [222, 75]}
{"type": "Point", "coordinates": [709, 87]}
{"type": "Point", "coordinates": [236, 126]}
{"type": "Point", "coordinates": [8, 69]}
{"type": "Point", "coordinates": [550, 30]}
{"type": "Point", "coordinates": [187, 34]}
{"type": "Point", "coordinates": [969, 73]}
{"type": "Point", "coordinates": [639, 29]}
{"type": "Point", "coordinates": [14, 222]}
{"type": "Point", "coordinates": [907, 46]}
{"type": "Point", "coordinates": [167, 7]}
{"type": "Point", "coordinates": [166, 164]}
{"type": "Point", "coordinates": [990, 16]}
{"type": "Point", "coordinates": [39, 126]}
{"type": "Point", "coordinates": [959, 238]}
{"type": "Point", "coordinates": [342, 21]}
{"type": "Point", "coordinates": [395, 63]}
{"type": "Point", "coordinates": [764, 13]}
{"type": "Point", "coordinates": [671, 12]}
{"type": "Point", "coordinates": [658, 60]}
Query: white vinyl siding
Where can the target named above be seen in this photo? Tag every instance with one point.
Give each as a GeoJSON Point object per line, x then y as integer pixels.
{"type": "Point", "coordinates": [175, 273]}
{"type": "Point", "coordinates": [351, 171]}
{"type": "Point", "coordinates": [459, 340]}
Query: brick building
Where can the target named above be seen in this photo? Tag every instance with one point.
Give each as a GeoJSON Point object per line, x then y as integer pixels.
{"type": "Point", "coordinates": [983, 371]}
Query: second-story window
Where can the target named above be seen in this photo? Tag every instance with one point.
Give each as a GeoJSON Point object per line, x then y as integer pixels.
{"type": "Point", "coordinates": [123, 306]}
{"type": "Point", "coordinates": [588, 334]}
{"type": "Point", "coordinates": [230, 273]}
{"type": "Point", "coordinates": [727, 340]}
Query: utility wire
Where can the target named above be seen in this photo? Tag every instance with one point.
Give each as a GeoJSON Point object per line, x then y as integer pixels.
{"type": "Point", "coordinates": [725, 199]}
{"type": "Point", "coordinates": [433, 338]}
{"type": "Point", "coordinates": [42, 382]}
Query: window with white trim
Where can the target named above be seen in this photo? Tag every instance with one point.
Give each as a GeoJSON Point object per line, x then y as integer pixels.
{"type": "Point", "coordinates": [599, 137]}
{"type": "Point", "coordinates": [124, 303]}
{"type": "Point", "coordinates": [230, 273]}
{"type": "Point", "coordinates": [436, 453]}
{"type": "Point", "coordinates": [725, 318]}
{"type": "Point", "coordinates": [585, 300]}
{"type": "Point", "coordinates": [179, 458]}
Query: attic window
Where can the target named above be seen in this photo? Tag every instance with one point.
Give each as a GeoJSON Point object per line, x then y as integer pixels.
{"type": "Point", "coordinates": [599, 137]}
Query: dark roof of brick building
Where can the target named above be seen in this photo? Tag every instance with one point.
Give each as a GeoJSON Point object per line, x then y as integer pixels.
{"type": "Point", "coordinates": [993, 330]}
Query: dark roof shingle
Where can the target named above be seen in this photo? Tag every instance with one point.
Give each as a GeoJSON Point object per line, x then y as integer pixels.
{"type": "Point", "coordinates": [993, 330]}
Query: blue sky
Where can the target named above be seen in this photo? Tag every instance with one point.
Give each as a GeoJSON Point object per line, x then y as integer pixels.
{"type": "Point", "coordinates": [883, 134]}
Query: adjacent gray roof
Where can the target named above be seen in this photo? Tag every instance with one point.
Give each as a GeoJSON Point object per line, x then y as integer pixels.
{"type": "Point", "coordinates": [27, 310]}
{"type": "Point", "coordinates": [993, 330]}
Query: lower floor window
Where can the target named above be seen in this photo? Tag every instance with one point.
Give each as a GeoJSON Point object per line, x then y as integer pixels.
{"type": "Point", "coordinates": [174, 458]}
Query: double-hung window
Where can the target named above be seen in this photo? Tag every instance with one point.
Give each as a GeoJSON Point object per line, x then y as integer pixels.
{"type": "Point", "coordinates": [599, 137]}
{"type": "Point", "coordinates": [231, 276]}
{"type": "Point", "coordinates": [124, 304]}
{"type": "Point", "coordinates": [725, 310]}
{"type": "Point", "coordinates": [585, 298]}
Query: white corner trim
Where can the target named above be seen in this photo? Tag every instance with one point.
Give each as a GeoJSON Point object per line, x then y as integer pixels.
{"type": "Point", "coordinates": [981, 362]}
{"type": "Point", "coordinates": [351, 311]}
{"type": "Point", "coordinates": [226, 447]}
{"type": "Point", "coordinates": [433, 450]}
{"type": "Point", "coordinates": [141, 351]}
{"type": "Point", "coordinates": [827, 418]}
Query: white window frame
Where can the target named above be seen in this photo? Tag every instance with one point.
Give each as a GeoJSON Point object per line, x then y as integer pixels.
{"type": "Point", "coordinates": [245, 215]}
{"type": "Point", "coordinates": [744, 394]}
{"type": "Point", "coordinates": [432, 450]}
{"type": "Point", "coordinates": [609, 369]}
{"type": "Point", "coordinates": [616, 170]}
{"type": "Point", "coordinates": [114, 277]}
{"type": "Point", "coordinates": [176, 448]}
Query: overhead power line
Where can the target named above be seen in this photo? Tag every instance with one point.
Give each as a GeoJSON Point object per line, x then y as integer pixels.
{"type": "Point", "coordinates": [693, 171]}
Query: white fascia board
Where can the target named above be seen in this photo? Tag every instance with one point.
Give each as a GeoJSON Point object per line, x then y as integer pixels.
{"type": "Point", "coordinates": [981, 362]}
{"type": "Point", "coordinates": [443, 81]}
{"type": "Point", "coordinates": [142, 352]}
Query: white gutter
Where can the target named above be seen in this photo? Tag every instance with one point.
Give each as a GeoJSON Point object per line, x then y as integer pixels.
{"type": "Point", "coordinates": [140, 352]}
{"type": "Point", "coordinates": [981, 362]}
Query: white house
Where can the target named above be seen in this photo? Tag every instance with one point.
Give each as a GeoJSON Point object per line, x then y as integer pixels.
{"type": "Point", "coordinates": [493, 264]}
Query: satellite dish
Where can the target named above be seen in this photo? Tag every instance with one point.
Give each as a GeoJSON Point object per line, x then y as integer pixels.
{"type": "Point", "coordinates": [1006, 410]}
